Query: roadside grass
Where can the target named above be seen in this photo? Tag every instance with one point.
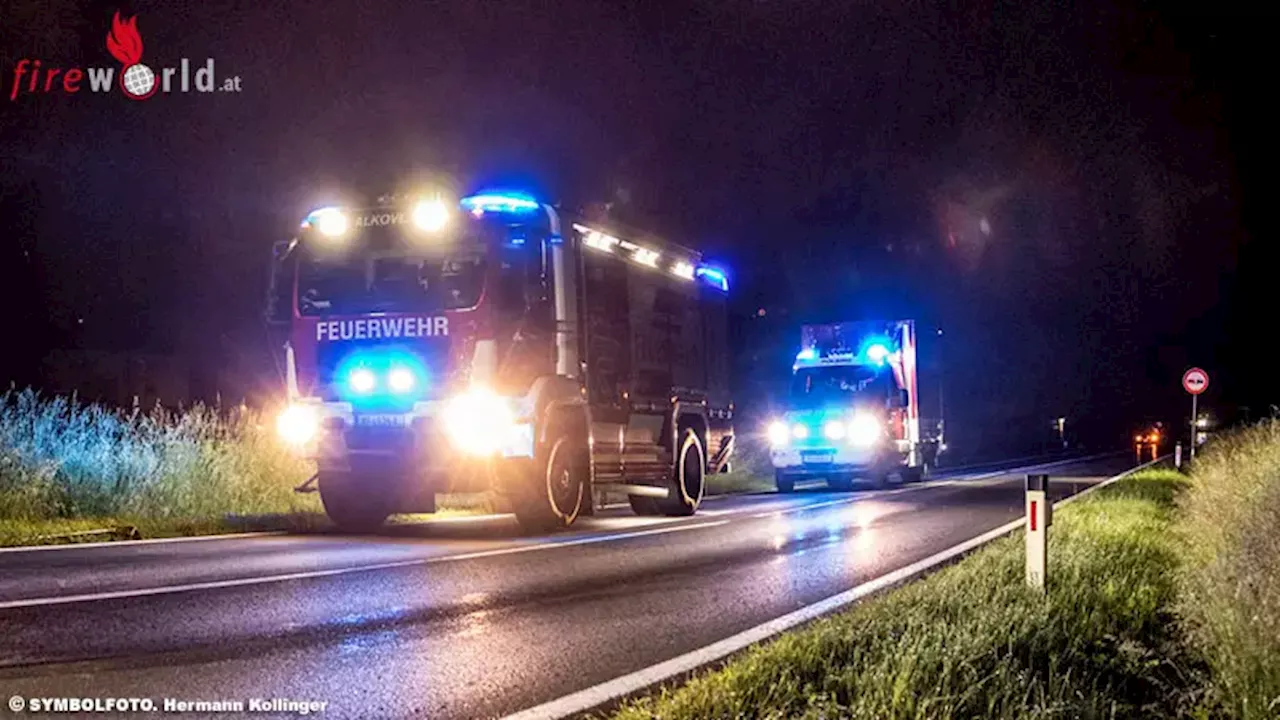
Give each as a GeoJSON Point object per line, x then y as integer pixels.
{"type": "Point", "coordinates": [751, 470]}
{"type": "Point", "coordinates": [68, 467]}
{"type": "Point", "coordinates": [972, 641]}
{"type": "Point", "coordinates": [1230, 593]}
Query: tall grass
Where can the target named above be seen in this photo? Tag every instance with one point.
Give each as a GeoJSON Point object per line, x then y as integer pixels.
{"type": "Point", "coordinates": [973, 641]}
{"type": "Point", "coordinates": [62, 459]}
{"type": "Point", "coordinates": [1230, 590]}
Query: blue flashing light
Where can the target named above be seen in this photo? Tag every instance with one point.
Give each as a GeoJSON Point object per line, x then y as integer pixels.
{"type": "Point", "coordinates": [381, 376]}
{"type": "Point", "coordinates": [877, 353]}
{"type": "Point", "coordinates": [876, 349]}
{"type": "Point", "coordinates": [807, 354]}
{"type": "Point", "coordinates": [500, 202]}
{"type": "Point", "coordinates": [714, 277]}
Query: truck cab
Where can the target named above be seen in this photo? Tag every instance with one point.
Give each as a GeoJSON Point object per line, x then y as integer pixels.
{"type": "Point", "coordinates": [493, 344]}
{"type": "Point", "coordinates": [852, 410]}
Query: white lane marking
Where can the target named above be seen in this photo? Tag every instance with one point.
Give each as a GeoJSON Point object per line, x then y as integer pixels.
{"type": "Point", "coordinates": [942, 482]}
{"type": "Point", "coordinates": [455, 519]}
{"type": "Point", "coordinates": [625, 685]}
{"type": "Point", "coordinates": [149, 541]}
{"type": "Point", "coordinates": [265, 579]}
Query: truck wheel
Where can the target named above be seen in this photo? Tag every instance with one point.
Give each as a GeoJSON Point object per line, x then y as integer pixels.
{"type": "Point", "coordinates": [840, 483]}
{"type": "Point", "coordinates": [688, 482]}
{"type": "Point", "coordinates": [352, 505]}
{"type": "Point", "coordinates": [552, 495]}
{"type": "Point", "coordinates": [784, 482]}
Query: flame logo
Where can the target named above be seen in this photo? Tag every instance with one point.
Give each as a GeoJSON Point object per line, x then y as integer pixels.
{"type": "Point", "coordinates": [123, 42]}
{"type": "Point", "coordinates": [137, 81]}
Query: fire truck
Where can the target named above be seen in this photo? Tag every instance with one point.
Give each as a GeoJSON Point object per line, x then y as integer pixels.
{"type": "Point", "coordinates": [853, 410]}
{"type": "Point", "coordinates": [496, 343]}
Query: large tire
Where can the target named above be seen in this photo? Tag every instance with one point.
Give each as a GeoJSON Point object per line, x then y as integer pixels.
{"type": "Point", "coordinates": [842, 482]}
{"type": "Point", "coordinates": [352, 505]}
{"type": "Point", "coordinates": [689, 478]}
{"type": "Point", "coordinates": [552, 493]}
{"type": "Point", "coordinates": [784, 482]}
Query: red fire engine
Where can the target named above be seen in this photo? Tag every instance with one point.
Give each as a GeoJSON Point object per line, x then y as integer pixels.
{"type": "Point", "coordinates": [499, 343]}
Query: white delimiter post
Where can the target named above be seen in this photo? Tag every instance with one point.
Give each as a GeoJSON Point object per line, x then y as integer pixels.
{"type": "Point", "coordinates": [1039, 513]}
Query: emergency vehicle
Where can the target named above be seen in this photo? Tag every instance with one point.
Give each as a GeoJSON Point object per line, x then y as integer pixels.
{"type": "Point", "coordinates": [497, 343]}
{"type": "Point", "coordinates": [854, 406]}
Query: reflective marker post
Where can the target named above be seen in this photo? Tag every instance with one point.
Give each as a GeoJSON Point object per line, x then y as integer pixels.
{"type": "Point", "coordinates": [1177, 455]}
{"type": "Point", "coordinates": [1039, 515]}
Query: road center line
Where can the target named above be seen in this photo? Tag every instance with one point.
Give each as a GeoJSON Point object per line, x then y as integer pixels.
{"type": "Point", "coordinates": [941, 482]}
{"type": "Point", "coordinates": [265, 579]}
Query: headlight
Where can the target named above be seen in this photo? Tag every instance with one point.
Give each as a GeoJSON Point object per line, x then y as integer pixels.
{"type": "Point", "coordinates": [430, 215]}
{"type": "Point", "coordinates": [778, 433]}
{"type": "Point", "coordinates": [298, 424]}
{"type": "Point", "coordinates": [864, 430]}
{"type": "Point", "coordinates": [799, 431]}
{"type": "Point", "coordinates": [331, 222]}
{"type": "Point", "coordinates": [833, 430]}
{"type": "Point", "coordinates": [401, 380]}
{"type": "Point", "coordinates": [478, 422]}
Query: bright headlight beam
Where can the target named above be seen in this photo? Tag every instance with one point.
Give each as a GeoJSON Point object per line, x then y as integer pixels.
{"type": "Point", "coordinates": [478, 421]}
{"type": "Point", "coordinates": [430, 215]}
{"type": "Point", "coordinates": [298, 424]}
{"type": "Point", "coordinates": [833, 430]}
{"type": "Point", "coordinates": [778, 433]}
{"type": "Point", "coordinates": [864, 430]}
{"type": "Point", "coordinates": [331, 222]}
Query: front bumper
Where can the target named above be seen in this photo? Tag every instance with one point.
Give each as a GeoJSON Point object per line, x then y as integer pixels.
{"type": "Point", "coordinates": [822, 460]}
{"type": "Point", "coordinates": [409, 443]}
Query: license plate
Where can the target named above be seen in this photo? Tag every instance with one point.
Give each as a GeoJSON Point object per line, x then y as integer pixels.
{"type": "Point", "coordinates": [382, 420]}
{"type": "Point", "coordinates": [819, 458]}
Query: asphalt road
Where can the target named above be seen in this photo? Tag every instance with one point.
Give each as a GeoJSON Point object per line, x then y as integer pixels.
{"type": "Point", "coordinates": [463, 619]}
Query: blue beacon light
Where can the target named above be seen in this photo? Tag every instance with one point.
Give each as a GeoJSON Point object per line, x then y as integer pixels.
{"type": "Point", "coordinates": [714, 277]}
{"type": "Point", "coordinates": [500, 202]}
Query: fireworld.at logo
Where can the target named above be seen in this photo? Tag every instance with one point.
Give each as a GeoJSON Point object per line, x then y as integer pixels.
{"type": "Point", "coordinates": [136, 80]}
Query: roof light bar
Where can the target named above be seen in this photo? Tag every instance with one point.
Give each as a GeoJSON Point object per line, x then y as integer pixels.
{"type": "Point", "coordinates": [500, 202]}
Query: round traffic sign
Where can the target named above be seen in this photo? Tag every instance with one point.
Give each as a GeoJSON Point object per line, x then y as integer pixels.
{"type": "Point", "coordinates": [1195, 381]}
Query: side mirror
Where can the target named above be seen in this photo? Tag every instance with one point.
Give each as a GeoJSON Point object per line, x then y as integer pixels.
{"type": "Point", "coordinates": [279, 306]}
{"type": "Point", "coordinates": [900, 399]}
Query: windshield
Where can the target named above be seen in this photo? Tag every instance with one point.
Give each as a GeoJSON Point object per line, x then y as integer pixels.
{"type": "Point", "coordinates": [824, 385]}
{"type": "Point", "coordinates": [392, 281]}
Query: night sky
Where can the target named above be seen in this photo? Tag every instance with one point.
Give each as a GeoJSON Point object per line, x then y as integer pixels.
{"type": "Point", "coordinates": [1070, 192]}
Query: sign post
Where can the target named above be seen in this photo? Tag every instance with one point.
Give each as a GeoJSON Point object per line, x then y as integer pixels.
{"type": "Point", "coordinates": [1039, 515]}
{"type": "Point", "coordinates": [1194, 381]}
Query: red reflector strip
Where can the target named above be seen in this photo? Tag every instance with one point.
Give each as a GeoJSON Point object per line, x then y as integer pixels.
{"type": "Point", "coordinates": [1033, 516]}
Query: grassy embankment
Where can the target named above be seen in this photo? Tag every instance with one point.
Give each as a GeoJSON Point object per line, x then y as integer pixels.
{"type": "Point", "coordinates": [1164, 602]}
{"type": "Point", "coordinates": [68, 467]}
